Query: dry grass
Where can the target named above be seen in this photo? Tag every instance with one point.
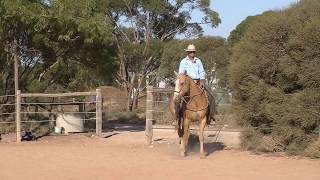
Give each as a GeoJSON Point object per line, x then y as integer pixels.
{"type": "Point", "coordinates": [313, 151]}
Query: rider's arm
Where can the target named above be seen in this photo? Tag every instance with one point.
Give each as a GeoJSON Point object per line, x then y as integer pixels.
{"type": "Point", "coordinates": [182, 67]}
{"type": "Point", "coordinates": [202, 73]}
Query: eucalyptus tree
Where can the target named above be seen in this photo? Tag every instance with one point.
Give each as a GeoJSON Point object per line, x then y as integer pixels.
{"type": "Point", "coordinates": [140, 27]}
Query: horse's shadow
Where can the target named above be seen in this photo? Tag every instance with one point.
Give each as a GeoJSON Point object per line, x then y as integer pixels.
{"type": "Point", "coordinates": [209, 147]}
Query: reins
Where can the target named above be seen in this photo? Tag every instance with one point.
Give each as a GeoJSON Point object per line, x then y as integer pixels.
{"type": "Point", "coordinates": [190, 100]}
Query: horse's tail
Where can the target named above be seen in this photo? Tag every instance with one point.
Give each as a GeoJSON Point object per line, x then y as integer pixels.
{"type": "Point", "coordinates": [177, 111]}
{"type": "Point", "coordinates": [212, 108]}
{"type": "Point", "coordinates": [180, 126]}
{"type": "Point", "coordinates": [179, 117]}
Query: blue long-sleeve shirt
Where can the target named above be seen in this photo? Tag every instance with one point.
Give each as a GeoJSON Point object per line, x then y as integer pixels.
{"type": "Point", "coordinates": [193, 68]}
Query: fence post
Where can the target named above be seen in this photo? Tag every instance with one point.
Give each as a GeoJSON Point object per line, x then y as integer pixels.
{"type": "Point", "coordinates": [18, 115]}
{"type": "Point", "coordinates": [51, 121]}
{"type": "Point", "coordinates": [98, 112]}
{"type": "Point", "coordinates": [149, 119]}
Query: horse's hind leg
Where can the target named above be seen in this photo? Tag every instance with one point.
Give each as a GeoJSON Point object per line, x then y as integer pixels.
{"type": "Point", "coordinates": [185, 138]}
{"type": "Point", "coordinates": [201, 137]}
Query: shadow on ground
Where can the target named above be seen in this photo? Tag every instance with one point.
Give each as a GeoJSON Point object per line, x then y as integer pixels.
{"type": "Point", "coordinates": [113, 129]}
{"type": "Point", "coordinates": [109, 127]}
{"type": "Point", "coordinates": [210, 146]}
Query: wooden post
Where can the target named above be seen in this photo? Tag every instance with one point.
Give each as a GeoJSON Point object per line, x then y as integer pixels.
{"type": "Point", "coordinates": [51, 122]}
{"type": "Point", "coordinates": [319, 131]}
{"type": "Point", "coordinates": [149, 119]}
{"type": "Point", "coordinates": [98, 112]}
{"type": "Point", "coordinates": [18, 115]}
{"type": "Point", "coordinates": [16, 73]}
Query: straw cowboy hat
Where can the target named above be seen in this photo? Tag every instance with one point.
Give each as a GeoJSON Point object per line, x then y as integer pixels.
{"type": "Point", "coordinates": [190, 48]}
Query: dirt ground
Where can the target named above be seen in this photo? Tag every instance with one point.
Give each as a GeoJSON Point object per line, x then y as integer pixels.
{"type": "Point", "coordinates": [122, 154]}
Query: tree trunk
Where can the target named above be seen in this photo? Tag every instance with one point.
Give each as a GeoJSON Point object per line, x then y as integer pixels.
{"type": "Point", "coordinates": [135, 100]}
{"type": "Point", "coordinates": [136, 97]}
{"type": "Point", "coordinates": [129, 100]}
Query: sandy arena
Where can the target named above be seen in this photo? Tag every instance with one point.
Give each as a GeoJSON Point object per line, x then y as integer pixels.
{"type": "Point", "coordinates": [122, 155]}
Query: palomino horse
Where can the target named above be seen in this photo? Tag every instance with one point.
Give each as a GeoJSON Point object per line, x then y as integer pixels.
{"type": "Point", "coordinates": [189, 104]}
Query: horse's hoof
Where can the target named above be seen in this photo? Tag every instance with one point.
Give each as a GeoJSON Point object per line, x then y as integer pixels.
{"type": "Point", "coordinates": [203, 156]}
{"type": "Point", "coordinates": [183, 154]}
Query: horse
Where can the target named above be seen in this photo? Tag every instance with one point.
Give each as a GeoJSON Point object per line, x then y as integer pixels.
{"type": "Point", "coordinates": [189, 103]}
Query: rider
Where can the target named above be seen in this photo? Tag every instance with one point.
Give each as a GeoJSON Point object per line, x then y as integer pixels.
{"type": "Point", "coordinates": [194, 69]}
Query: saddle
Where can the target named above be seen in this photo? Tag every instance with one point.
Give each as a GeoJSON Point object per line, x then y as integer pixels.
{"type": "Point", "coordinates": [211, 101]}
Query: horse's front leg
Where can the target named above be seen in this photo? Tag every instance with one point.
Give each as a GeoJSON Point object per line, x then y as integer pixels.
{"type": "Point", "coordinates": [201, 137]}
{"type": "Point", "coordinates": [185, 138]}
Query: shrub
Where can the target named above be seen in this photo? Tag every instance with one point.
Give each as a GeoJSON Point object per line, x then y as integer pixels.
{"type": "Point", "coordinates": [275, 78]}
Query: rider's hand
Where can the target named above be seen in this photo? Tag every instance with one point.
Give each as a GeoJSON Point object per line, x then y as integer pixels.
{"type": "Point", "coordinates": [202, 84]}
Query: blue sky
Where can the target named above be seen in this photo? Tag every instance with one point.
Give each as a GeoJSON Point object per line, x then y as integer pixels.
{"type": "Point", "coordinates": [232, 12]}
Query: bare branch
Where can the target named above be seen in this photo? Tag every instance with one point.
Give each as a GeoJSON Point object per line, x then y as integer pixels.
{"type": "Point", "coordinates": [165, 36]}
{"type": "Point", "coordinates": [131, 21]}
{"type": "Point", "coordinates": [117, 28]}
{"type": "Point", "coordinates": [47, 69]}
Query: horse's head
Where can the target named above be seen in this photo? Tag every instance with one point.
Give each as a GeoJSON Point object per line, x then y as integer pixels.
{"type": "Point", "coordinates": [182, 87]}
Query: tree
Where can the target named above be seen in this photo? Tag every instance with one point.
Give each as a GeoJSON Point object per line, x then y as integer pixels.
{"type": "Point", "coordinates": [57, 42]}
{"type": "Point", "coordinates": [79, 36]}
{"type": "Point", "coordinates": [16, 26]}
{"type": "Point", "coordinates": [215, 57]}
{"type": "Point", "coordinates": [141, 27]}
{"type": "Point", "coordinates": [211, 50]}
{"type": "Point", "coordinates": [237, 34]}
{"type": "Point", "coordinates": [275, 77]}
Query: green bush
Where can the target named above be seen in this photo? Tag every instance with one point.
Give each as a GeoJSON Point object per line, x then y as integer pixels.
{"type": "Point", "coordinates": [275, 78]}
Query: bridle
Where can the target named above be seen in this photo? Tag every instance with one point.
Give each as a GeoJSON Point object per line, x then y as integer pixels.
{"type": "Point", "coordinates": [190, 98]}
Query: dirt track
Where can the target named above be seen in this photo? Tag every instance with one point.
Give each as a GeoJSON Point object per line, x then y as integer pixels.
{"type": "Point", "coordinates": [122, 155]}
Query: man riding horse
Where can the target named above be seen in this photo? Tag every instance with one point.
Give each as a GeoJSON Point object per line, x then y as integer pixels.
{"type": "Point", "coordinates": [191, 101]}
{"type": "Point", "coordinates": [192, 66]}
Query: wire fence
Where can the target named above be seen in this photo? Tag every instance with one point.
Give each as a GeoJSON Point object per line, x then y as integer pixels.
{"type": "Point", "coordinates": [158, 114]}
{"type": "Point", "coordinates": [42, 110]}
{"type": "Point", "coordinates": [159, 99]}
{"type": "Point", "coordinates": [7, 113]}
{"type": "Point", "coordinates": [5, 96]}
{"type": "Point", "coordinates": [43, 113]}
{"type": "Point", "coordinates": [79, 112]}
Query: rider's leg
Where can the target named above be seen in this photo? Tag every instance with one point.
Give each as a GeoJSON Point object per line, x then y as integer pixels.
{"type": "Point", "coordinates": [212, 104]}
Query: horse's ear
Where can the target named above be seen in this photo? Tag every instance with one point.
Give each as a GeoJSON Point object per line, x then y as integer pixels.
{"type": "Point", "coordinates": [175, 72]}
